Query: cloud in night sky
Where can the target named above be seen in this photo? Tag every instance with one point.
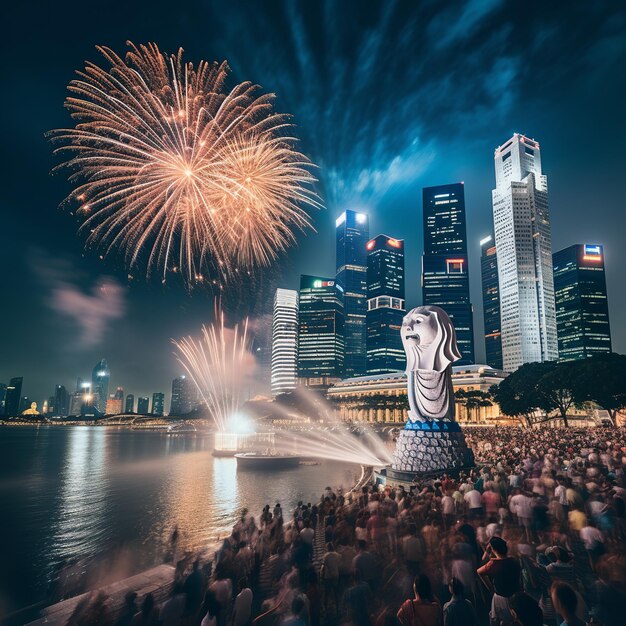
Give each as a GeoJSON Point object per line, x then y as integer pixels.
{"type": "Point", "coordinates": [378, 89]}
{"type": "Point", "coordinates": [90, 310]}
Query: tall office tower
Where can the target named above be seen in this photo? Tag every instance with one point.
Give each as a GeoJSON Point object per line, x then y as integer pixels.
{"type": "Point", "coordinates": [445, 271]}
{"type": "Point", "coordinates": [61, 401]}
{"type": "Point", "coordinates": [352, 233]}
{"type": "Point", "coordinates": [184, 394]}
{"type": "Point", "coordinates": [582, 311]}
{"type": "Point", "coordinates": [385, 304]}
{"type": "Point", "coordinates": [3, 393]}
{"type": "Point", "coordinates": [284, 376]}
{"type": "Point", "coordinates": [100, 384]}
{"type": "Point", "coordinates": [24, 404]}
{"type": "Point", "coordinates": [143, 405]}
{"type": "Point", "coordinates": [115, 403]}
{"type": "Point", "coordinates": [76, 402]}
{"type": "Point", "coordinates": [523, 244]}
{"type": "Point", "coordinates": [491, 302]}
{"type": "Point", "coordinates": [158, 403]}
{"type": "Point", "coordinates": [13, 396]}
{"type": "Point", "coordinates": [320, 331]}
{"type": "Point", "coordinates": [130, 403]}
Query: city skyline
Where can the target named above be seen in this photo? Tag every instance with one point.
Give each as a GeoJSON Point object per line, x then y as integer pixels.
{"type": "Point", "coordinates": [72, 308]}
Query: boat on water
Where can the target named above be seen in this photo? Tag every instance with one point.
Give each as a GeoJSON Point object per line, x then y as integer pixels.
{"type": "Point", "coordinates": [266, 460]}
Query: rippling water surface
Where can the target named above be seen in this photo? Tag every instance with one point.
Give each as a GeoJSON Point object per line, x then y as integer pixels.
{"type": "Point", "coordinates": [112, 497]}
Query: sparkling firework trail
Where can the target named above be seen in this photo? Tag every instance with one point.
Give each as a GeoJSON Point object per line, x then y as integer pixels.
{"type": "Point", "coordinates": [179, 173]}
{"type": "Point", "coordinates": [219, 364]}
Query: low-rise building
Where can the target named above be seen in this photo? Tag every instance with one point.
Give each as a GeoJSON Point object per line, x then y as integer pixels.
{"type": "Point", "coordinates": [383, 398]}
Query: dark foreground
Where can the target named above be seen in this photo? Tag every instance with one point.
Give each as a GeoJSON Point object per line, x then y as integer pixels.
{"type": "Point", "coordinates": [535, 535]}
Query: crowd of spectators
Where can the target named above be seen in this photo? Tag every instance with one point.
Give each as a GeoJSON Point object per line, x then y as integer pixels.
{"type": "Point", "coordinates": [534, 535]}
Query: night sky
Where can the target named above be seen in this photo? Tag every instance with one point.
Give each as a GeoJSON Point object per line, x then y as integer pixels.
{"type": "Point", "coordinates": [387, 97]}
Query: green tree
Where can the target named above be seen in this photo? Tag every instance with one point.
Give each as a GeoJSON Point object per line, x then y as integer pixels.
{"type": "Point", "coordinates": [556, 389]}
{"type": "Point", "coordinates": [602, 379]}
{"type": "Point", "coordinates": [517, 394]}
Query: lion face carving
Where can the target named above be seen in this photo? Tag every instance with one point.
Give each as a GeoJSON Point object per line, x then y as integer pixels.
{"type": "Point", "coordinates": [429, 339]}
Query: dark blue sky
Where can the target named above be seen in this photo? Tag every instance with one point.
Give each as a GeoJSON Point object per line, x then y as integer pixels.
{"type": "Point", "coordinates": [387, 97]}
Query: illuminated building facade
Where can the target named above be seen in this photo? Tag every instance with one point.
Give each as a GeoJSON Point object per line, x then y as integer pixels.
{"type": "Point", "coordinates": [320, 331]}
{"type": "Point", "coordinates": [383, 398]}
{"type": "Point", "coordinates": [12, 396]}
{"type": "Point", "coordinates": [284, 375]}
{"type": "Point", "coordinates": [445, 268]}
{"type": "Point", "coordinates": [385, 304]}
{"type": "Point", "coordinates": [129, 407]}
{"type": "Point", "coordinates": [3, 393]}
{"type": "Point", "coordinates": [61, 404]}
{"type": "Point", "coordinates": [491, 302]}
{"type": "Point", "coordinates": [158, 404]}
{"type": "Point", "coordinates": [100, 376]}
{"type": "Point", "coordinates": [115, 403]}
{"type": "Point", "coordinates": [352, 234]}
{"type": "Point", "coordinates": [582, 312]}
{"type": "Point", "coordinates": [184, 395]}
{"type": "Point", "coordinates": [524, 252]}
{"type": "Point", "coordinates": [143, 405]}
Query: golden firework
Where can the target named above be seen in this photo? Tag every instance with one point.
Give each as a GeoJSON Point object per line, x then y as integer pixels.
{"type": "Point", "coordinates": [178, 172]}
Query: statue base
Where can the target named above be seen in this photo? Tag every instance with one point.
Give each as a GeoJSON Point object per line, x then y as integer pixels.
{"type": "Point", "coordinates": [428, 449]}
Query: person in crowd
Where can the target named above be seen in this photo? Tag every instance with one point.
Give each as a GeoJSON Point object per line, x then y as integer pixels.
{"type": "Point", "coordinates": [423, 609]}
{"type": "Point", "coordinates": [458, 611]}
{"type": "Point", "coordinates": [565, 602]}
{"type": "Point", "coordinates": [501, 574]}
{"type": "Point", "coordinates": [525, 610]}
{"type": "Point", "coordinates": [148, 614]}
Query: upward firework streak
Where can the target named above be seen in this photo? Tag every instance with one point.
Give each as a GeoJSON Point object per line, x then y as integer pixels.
{"type": "Point", "coordinates": [218, 364]}
{"type": "Point", "coordinates": [179, 173]}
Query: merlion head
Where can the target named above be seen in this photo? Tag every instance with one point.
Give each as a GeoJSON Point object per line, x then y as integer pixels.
{"type": "Point", "coordinates": [429, 339]}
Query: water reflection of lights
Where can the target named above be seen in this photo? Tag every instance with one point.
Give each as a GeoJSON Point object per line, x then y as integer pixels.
{"type": "Point", "coordinates": [83, 494]}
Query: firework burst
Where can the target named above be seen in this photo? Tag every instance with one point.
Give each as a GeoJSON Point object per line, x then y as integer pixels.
{"type": "Point", "coordinates": [179, 173]}
{"type": "Point", "coordinates": [220, 364]}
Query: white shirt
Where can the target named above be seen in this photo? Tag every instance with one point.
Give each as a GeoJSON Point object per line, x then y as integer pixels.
{"type": "Point", "coordinates": [474, 499]}
{"type": "Point", "coordinates": [590, 537]}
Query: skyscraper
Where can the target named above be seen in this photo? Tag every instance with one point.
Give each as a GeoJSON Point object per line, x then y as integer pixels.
{"type": "Point", "coordinates": [130, 403]}
{"type": "Point", "coordinates": [385, 304]}
{"type": "Point", "coordinates": [582, 312]}
{"type": "Point", "coordinates": [61, 401]}
{"type": "Point", "coordinates": [158, 403]}
{"type": "Point", "coordinates": [445, 269]}
{"type": "Point", "coordinates": [3, 393]}
{"type": "Point", "coordinates": [320, 331]}
{"type": "Point", "coordinates": [100, 384]}
{"type": "Point", "coordinates": [352, 234]}
{"type": "Point", "coordinates": [143, 405]}
{"type": "Point", "coordinates": [524, 250]}
{"type": "Point", "coordinates": [491, 302]}
{"type": "Point", "coordinates": [115, 402]}
{"type": "Point", "coordinates": [13, 397]}
{"type": "Point", "coordinates": [183, 396]}
{"type": "Point", "coordinates": [284, 341]}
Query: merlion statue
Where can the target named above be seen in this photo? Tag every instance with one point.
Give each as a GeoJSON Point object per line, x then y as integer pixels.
{"type": "Point", "coordinates": [429, 341]}
{"type": "Point", "coordinates": [432, 441]}
{"type": "Point", "coordinates": [32, 411]}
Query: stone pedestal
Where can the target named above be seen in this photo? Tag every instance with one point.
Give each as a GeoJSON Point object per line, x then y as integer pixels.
{"type": "Point", "coordinates": [429, 448]}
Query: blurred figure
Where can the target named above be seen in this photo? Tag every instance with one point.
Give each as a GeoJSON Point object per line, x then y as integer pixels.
{"type": "Point", "coordinates": [149, 613]}
{"type": "Point", "coordinates": [525, 610]}
{"type": "Point", "coordinates": [458, 611]}
{"type": "Point", "coordinates": [566, 603]}
{"type": "Point", "coordinates": [423, 609]}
